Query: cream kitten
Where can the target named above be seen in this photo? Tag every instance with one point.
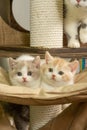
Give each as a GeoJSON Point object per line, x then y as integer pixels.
{"type": "Point", "coordinates": [57, 72]}
{"type": "Point", "coordinates": [76, 16]}
{"type": "Point", "coordinates": [25, 71]}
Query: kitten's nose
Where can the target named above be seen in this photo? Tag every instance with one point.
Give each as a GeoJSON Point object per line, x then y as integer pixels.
{"type": "Point", "coordinates": [24, 79]}
{"type": "Point", "coordinates": [78, 1]}
{"type": "Point", "coordinates": [53, 76]}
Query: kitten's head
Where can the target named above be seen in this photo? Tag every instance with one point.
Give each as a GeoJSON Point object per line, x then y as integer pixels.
{"type": "Point", "coordinates": [58, 71]}
{"type": "Point", "coordinates": [79, 3]}
{"type": "Point", "coordinates": [24, 73]}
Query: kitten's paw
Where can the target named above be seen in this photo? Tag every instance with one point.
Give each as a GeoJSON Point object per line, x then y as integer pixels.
{"type": "Point", "coordinates": [74, 44]}
{"type": "Point", "coordinates": [83, 35]}
{"type": "Point", "coordinates": [11, 121]}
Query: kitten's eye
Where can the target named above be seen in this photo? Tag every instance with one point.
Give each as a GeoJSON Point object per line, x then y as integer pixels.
{"type": "Point", "coordinates": [29, 73]}
{"type": "Point", "coordinates": [50, 70]}
{"type": "Point", "coordinates": [61, 72]}
{"type": "Point", "coordinates": [19, 73]}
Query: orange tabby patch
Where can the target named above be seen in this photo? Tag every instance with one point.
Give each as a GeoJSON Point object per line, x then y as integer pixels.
{"type": "Point", "coordinates": [66, 78]}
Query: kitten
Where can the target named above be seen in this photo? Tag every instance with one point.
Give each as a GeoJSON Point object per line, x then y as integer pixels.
{"type": "Point", "coordinates": [24, 71]}
{"type": "Point", "coordinates": [18, 115]}
{"type": "Point", "coordinates": [75, 17]}
{"type": "Point", "coordinates": [57, 72]}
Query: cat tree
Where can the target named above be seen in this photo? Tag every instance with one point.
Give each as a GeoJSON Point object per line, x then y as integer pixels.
{"type": "Point", "coordinates": [46, 23]}
{"type": "Point", "coordinates": [46, 32]}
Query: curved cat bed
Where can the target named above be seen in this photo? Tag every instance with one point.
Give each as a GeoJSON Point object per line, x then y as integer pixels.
{"type": "Point", "coordinates": [24, 95]}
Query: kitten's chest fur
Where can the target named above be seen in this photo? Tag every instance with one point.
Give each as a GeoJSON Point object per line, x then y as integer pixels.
{"type": "Point", "coordinates": [35, 84]}
{"type": "Point", "coordinates": [47, 85]}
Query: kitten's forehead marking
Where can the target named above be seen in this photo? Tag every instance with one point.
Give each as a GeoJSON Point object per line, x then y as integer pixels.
{"type": "Point", "coordinates": [59, 62]}
{"type": "Point", "coordinates": [24, 69]}
{"type": "Point", "coordinates": [24, 63]}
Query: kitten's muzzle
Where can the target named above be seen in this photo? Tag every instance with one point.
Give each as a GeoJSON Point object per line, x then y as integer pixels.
{"type": "Point", "coordinates": [24, 79]}
{"type": "Point", "coordinates": [78, 1]}
{"type": "Point", "coordinates": [53, 77]}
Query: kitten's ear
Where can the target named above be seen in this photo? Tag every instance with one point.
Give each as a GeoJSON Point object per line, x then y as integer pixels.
{"type": "Point", "coordinates": [12, 63]}
{"type": "Point", "coordinates": [37, 61]}
{"type": "Point", "coordinates": [48, 57]}
{"type": "Point", "coordinates": [73, 66]}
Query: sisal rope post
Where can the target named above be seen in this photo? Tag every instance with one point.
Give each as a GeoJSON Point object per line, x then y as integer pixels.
{"type": "Point", "coordinates": [46, 31]}
{"type": "Point", "coordinates": [46, 23]}
{"type": "Point", "coordinates": [40, 115]}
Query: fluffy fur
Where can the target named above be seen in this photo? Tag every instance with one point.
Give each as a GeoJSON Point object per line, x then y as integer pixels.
{"type": "Point", "coordinates": [18, 115]}
{"type": "Point", "coordinates": [57, 72]}
{"type": "Point", "coordinates": [24, 71]}
{"type": "Point", "coordinates": [76, 16]}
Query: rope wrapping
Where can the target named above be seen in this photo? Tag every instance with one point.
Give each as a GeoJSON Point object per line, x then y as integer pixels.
{"type": "Point", "coordinates": [46, 25]}
{"type": "Point", "coordinates": [40, 115]}
{"type": "Point", "coordinates": [46, 30]}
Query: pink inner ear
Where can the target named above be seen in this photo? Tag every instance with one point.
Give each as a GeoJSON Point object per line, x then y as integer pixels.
{"type": "Point", "coordinates": [47, 61]}
{"type": "Point", "coordinates": [12, 63]}
{"type": "Point", "coordinates": [73, 66]}
{"type": "Point", "coordinates": [37, 65]}
{"type": "Point", "coordinates": [37, 62]}
{"type": "Point", "coordinates": [48, 57]}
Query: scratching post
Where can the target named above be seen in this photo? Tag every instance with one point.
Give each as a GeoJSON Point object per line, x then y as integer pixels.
{"type": "Point", "coordinates": [46, 25]}
{"type": "Point", "coordinates": [40, 115]}
{"type": "Point", "coordinates": [46, 31]}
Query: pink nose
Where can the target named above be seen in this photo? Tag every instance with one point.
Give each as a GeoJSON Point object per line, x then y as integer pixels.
{"type": "Point", "coordinates": [53, 76]}
{"type": "Point", "coordinates": [78, 1]}
{"type": "Point", "coordinates": [24, 79]}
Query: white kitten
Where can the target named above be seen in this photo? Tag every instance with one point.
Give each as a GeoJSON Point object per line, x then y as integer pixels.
{"type": "Point", "coordinates": [25, 71]}
{"type": "Point", "coordinates": [25, 58]}
{"type": "Point", "coordinates": [76, 15]}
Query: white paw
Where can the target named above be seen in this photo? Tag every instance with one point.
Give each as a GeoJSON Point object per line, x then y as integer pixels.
{"type": "Point", "coordinates": [73, 44]}
{"type": "Point", "coordinates": [83, 35]}
{"type": "Point", "coordinates": [11, 120]}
